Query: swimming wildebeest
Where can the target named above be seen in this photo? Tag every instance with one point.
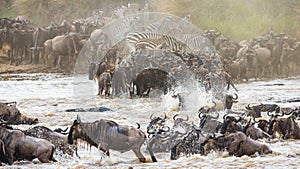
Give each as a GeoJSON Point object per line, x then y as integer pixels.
{"type": "Point", "coordinates": [237, 144]}
{"type": "Point", "coordinates": [229, 100]}
{"type": "Point", "coordinates": [109, 135]}
{"type": "Point", "coordinates": [11, 115]}
{"type": "Point", "coordinates": [18, 146]}
{"type": "Point", "coordinates": [59, 139]}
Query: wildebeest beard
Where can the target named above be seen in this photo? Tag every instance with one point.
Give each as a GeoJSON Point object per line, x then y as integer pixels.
{"type": "Point", "coordinates": [85, 137]}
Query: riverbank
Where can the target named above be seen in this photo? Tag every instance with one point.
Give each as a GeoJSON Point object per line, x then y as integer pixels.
{"type": "Point", "coordinates": [7, 68]}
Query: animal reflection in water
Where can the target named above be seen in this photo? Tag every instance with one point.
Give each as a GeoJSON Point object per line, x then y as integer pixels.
{"type": "Point", "coordinates": [108, 135]}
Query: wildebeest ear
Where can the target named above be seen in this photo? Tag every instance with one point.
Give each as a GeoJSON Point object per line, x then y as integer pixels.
{"type": "Point", "coordinates": [77, 121]}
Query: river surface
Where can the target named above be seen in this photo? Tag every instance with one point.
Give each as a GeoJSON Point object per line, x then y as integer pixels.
{"type": "Point", "coordinates": [47, 96]}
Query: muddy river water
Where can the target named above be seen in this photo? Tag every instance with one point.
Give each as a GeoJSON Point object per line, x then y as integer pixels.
{"type": "Point", "coordinates": [47, 96]}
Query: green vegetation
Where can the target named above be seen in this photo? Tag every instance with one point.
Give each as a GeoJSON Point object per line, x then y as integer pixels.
{"type": "Point", "coordinates": [237, 19]}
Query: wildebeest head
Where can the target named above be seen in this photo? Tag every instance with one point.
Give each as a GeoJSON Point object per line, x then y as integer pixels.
{"type": "Point", "coordinates": [231, 124]}
{"type": "Point", "coordinates": [229, 100]}
{"type": "Point", "coordinates": [76, 131]}
{"type": "Point", "coordinates": [204, 116]}
{"type": "Point", "coordinates": [11, 115]}
{"type": "Point", "coordinates": [262, 124]}
{"type": "Point", "coordinates": [273, 120]}
{"type": "Point", "coordinates": [217, 143]}
{"type": "Point", "coordinates": [179, 119]}
{"type": "Point", "coordinates": [157, 125]}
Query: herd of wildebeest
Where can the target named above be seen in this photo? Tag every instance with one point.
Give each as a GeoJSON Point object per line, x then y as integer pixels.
{"type": "Point", "coordinates": [238, 133]}
{"type": "Point", "coordinates": [57, 46]}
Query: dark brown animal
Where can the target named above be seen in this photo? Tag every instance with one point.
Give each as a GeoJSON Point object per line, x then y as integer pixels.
{"type": "Point", "coordinates": [96, 69]}
{"type": "Point", "coordinates": [237, 144]}
{"type": "Point", "coordinates": [149, 79]}
{"type": "Point", "coordinates": [3, 155]}
{"type": "Point", "coordinates": [109, 135]}
{"type": "Point", "coordinates": [231, 124]}
{"type": "Point", "coordinates": [255, 133]}
{"type": "Point", "coordinates": [285, 127]}
{"type": "Point", "coordinates": [229, 100]}
{"type": "Point", "coordinates": [21, 147]}
{"type": "Point", "coordinates": [59, 140]}
{"type": "Point", "coordinates": [11, 115]}
{"type": "Point", "coordinates": [208, 123]}
{"type": "Point", "coordinates": [64, 50]}
{"type": "Point", "coordinates": [104, 83]}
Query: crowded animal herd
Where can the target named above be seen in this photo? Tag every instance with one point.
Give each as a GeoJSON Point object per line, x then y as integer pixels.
{"type": "Point", "coordinates": [238, 132]}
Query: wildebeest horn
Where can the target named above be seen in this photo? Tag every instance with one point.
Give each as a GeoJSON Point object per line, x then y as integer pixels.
{"type": "Point", "coordinates": [216, 116]}
{"type": "Point", "coordinates": [282, 114]}
{"type": "Point", "coordinates": [268, 113]}
{"type": "Point", "coordinates": [150, 132]}
{"type": "Point", "coordinates": [248, 107]}
{"type": "Point", "coordinates": [289, 112]}
{"type": "Point", "coordinates": [224, 116]}
{"type": "Point", "coordinates": [14, 102]}
{"type": "Point", "coordinates": [240, 118]}
{"type": "Point", "coordinates": [163, 129]}
{"type": "Point", "coordinates": [200, 115]}
{"type": "Point", "coordinates": [187, 118]}
{"type": "Point", "coordinates": [174, 117]}
{"type": "Point", "coordinates": [165, 116]}
{"type": "Point", "coordinates": [138, 125]}
{"type": "Point", "coordinates": [236, 96]}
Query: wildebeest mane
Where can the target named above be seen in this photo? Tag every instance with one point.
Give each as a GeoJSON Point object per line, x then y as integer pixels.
{"type": "Point", "coordinates": [97, 131]}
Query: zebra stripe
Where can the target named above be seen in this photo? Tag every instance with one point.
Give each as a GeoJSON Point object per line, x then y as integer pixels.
{"type": "Point", "coordinates": [147, 39]}
{"type": "Point", "coordinates": [175, 45]}
{"type": "Point", "coordinates": [141, 40]}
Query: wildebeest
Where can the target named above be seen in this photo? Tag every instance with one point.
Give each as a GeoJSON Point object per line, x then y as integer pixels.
{"type": "Point", "coordinates": [110, 135]}
{"type": "Point", "coordinates": [159, 134]}
{"type": "Point", "coordinates": [208, 123]}
{"type": "Point", "coordinates": [231, 124]}
{"type": "Point", "coordinates": [156, 125]}
{"type": "Point", "coordinates": [255, 133]}
{"type": "Point", "coordinates": [58, 139]}
{"type": "Point", "coordinates": [149, 79]}
{"type": "Point", "coordinates": [237, 144]}
{"type": "Point", "coordinates": [263, 56]}
{"type": "Point", "coordinates": [255, 111]}
{"type": "Point", "coordinates": [18, 146]}
{"type": "Point", "coordinates": [11, 115]}
{"type": "Point", "coordinates": [229, 100]}
{"type": "Point", "coordinates": [191, 144]}
{"type": "Point", "coordinates": [285, 127]}
{"type": "Point", "coordinates": [96, 69]}
{"type": "Point", "coordinates": [3, 157]}
{"type": "Point", "coordinates": [40, 36]}
{"type": "Point", "coordinates": [119, 83]}
{"type": "Point", "coordinates": [104, 83]}
{"type": "Point", "coordinates": [64, 50]}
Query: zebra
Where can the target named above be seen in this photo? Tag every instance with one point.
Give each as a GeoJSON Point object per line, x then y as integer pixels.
{"type": "Point", "coordinates": [149, 40]}
{"type": "Point", "coordinates": [154, 40]}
